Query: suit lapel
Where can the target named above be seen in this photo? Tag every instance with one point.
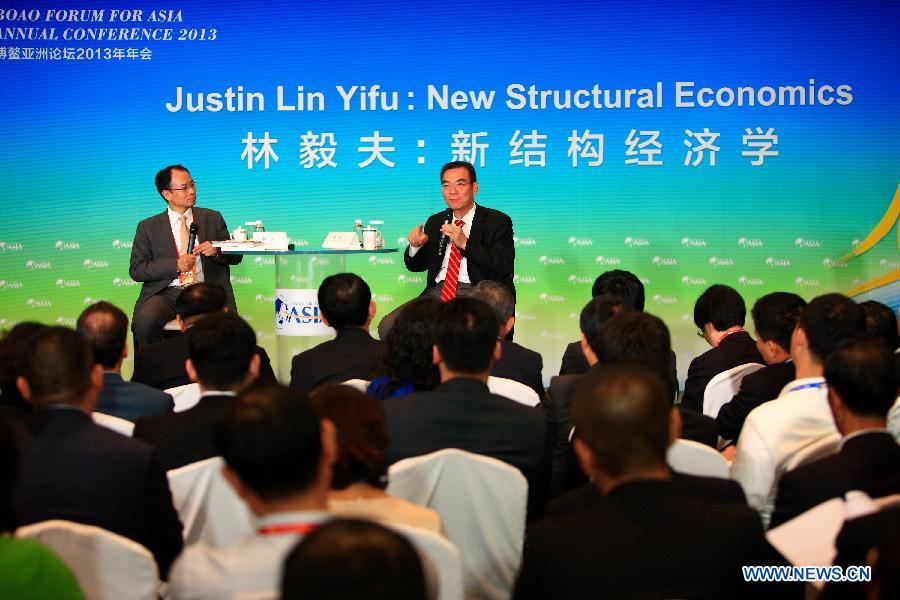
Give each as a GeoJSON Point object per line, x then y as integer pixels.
{"type": "Point", "coordinates": [164, 234]}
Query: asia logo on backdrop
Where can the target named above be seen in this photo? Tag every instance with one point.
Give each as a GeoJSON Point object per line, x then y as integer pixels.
{"type": "Point", "coordinates": [122, 244]}
{"type": "Point", "coordinates": [636, 242]}
{"type": "Point", "coordinates": [744, 242]}
{"type": "Point", "coordinates": [297, 313]}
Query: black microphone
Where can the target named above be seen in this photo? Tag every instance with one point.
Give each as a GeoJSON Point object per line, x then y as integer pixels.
{"type": "Point", "coordinates": [193, 238]}
{"type": "Point", "coordinates": [448, 218]}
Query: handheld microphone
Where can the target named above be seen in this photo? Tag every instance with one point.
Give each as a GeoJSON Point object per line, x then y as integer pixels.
{"type": "Point", "coordinates": [193, 237]}
{"type": "Point", "coordinates": [448, 218]}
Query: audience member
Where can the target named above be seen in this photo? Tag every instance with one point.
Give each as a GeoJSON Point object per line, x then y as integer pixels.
{"type": "Point", "coordinates": [774, 316]}
{"type": "Point", "coordinates": [406, 364]}
{"type": "Point", "coordinates": [278, 457]}
{"type": "Point", "coordinates": [649, 537]}
{"type": "Point", "coordinates": [882, 323]}
{"type": "Point", "coordinates": [800, 416]}
{"type": "Point", "coordinates": [75, 470]}
{"type": "Point", "coordinates": [719, 314]}
{"type": "Point", "coordinates": [223, 362]}
{"type": "Point", "coordinates": [12, 403]}
{"type": "Point", "coordinates": [462, 413]}
{"type": "Point", "coordinates": [345, 303]}
{"type": "Point", "coordinates": [353, 559]}
{"type": "Point", "coordinates": [872, 540]}
{"type": "Point", "coordinates": [361, 469]}
{"type": "Point", "coordinates": [516, 362]}
{"type": "Point", "coordinates": [105, 327]}
{"type": "Point", "coordinates": [862, 386]}
{"type": "Point", "coordinates": [161, 365]}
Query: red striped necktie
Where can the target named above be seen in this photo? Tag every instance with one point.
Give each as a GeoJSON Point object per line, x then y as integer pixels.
{"type": "Point", "coordinates": [448, 292]}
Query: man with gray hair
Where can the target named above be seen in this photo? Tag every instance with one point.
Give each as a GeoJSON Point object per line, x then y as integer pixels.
{"type": "Point", "coordinates": [516, 361]}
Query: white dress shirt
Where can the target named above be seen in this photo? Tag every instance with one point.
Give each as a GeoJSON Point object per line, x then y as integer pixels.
{"type": "Point", "coordinates": [463, 264]}
{"type": "Point", "coordinates": [175, 224]}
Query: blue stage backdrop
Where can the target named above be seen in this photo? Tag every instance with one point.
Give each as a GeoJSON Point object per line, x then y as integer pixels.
{"type": "Point", "coordinates": [692, 143]}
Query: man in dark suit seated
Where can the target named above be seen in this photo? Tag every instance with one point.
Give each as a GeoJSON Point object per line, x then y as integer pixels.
{"type": "Point", "coordinates": [75, 470]}
{"type": "Point", "coordinates": [345, 303]}
{"type": "Point", "coordinates": [774, 316]}
{"type": "Point", "coordinates": [462, 413]}
{"type": "Point", "coordinates": [223, 362]}
{"type": "Point", "coordinates": [862, 386]}
{"type": "Point", "coordinates": [105, 326]}
{"type": "Point", "coordinates": [719, 313]}
{"type": "Point", "coordinates": [649, 537]}
{"type": "Point", "coordinates": [516, 362]}
{"type": "Point", "coordinates": [161, 365]}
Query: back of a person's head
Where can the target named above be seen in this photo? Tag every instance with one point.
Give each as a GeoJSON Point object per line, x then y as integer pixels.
{"type": "Point", "coordinates": [861, 371]}
{"type": "Point", "coordinates": [408, 356]}
{"type": "Point", "coordinates": [497, 296]}
{"type": "Point", "coordinates": [105, 327]}
{"type": "Point", "coordinates": [57, 364]}
{"type": "Point", "coordinates": [344, 300]}
{"type": "Point", "coordinates": [597, 312]}
{"type": "Point", "coordinates": [467, 335]}
{"type": "Point", "coordinates": [623, 284]}
{"type": "Point", "coordinates": [881, 321]}
{"type": "Point", "coordinates": [221, 346]}
{"type": "Point", "coordinates": [775, 317]}
{"type": "Point", "coordinates": [361, 435]}
{"type": "Point", "coordinates": [637, 338]}
{"type": "Point", "coordinates": [720, 305]}
{"type": "Point", "coordinates": [270, 437]}
{"type": "Point", "coordinates": [12, 355]}
{"type": "Point", "coordinates": [353, 559]}
{"type": "Point", "coordinates": [828, 320]}
{"type": "Point", "coordinates": [200, 299]}
{"type": "Point", "coordinates": [622, 414]}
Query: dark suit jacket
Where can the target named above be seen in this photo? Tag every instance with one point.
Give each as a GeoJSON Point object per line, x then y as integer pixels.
{"type": "Point", "coordinates": [869, 462]}
{"type": "Point", "coordinates": [574, 363]}
{"type": "Point", "coordinates": [161, 365]}
{"type": "Point", "coordinates": [490, 252]}
{"type": "Point", "coordinates": [353, 354]}
{"type": "Point", "coordinates": [130, 400]}
{"type": "Point", "coordinates": [185, 437]}
{"type": "Point", "coordinates": [462, 413]}
{"type": "Point", "coordinates": [853, 543]}
{"type": "Point", "coordinates": [520, 364]}
{"type": "Point", "coordinates": [756, 388]}
{"type": "Point", "coordinates": [646, 539]}
{"type": "Point", "coordinates": [736, 349]}
{"type": "Point", "coordinates": [154, 257]}
{"type": "Point", "coordinates": [75, 470]}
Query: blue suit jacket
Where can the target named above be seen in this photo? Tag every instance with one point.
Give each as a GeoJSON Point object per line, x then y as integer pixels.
{"type": "Point", "coordinates": [129, 400]}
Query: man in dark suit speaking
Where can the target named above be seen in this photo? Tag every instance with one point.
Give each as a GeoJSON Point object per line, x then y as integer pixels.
{"type": "Point", "coordinates": [160, 256]}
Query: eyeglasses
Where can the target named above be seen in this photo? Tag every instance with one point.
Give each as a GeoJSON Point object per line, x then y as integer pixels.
{"type": "Point", "coordinates": [446, 186]}
{"type": "Point", "coordinates": [191, 185]}
{"type": "Point", "coordinates": [700, 334]}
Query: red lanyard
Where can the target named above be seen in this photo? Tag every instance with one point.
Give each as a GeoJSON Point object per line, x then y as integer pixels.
{"type": "Point", "coordinates": [303, 528]}
{"type": "Point", "coordinates": [738, 330]}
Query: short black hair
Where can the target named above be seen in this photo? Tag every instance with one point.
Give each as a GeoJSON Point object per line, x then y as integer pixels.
{"type": "Point", "coordinates": [361, 435]}
{"type": "Point", "coordinates": [775, 316]}
{"type": "Point", "coordinates": [352, 558]}
{"type": "Point", "coordinates": [200, 299]}
{"type": "Point", "coordinates": [105, 327]}
{"type": "Point", "coordinates": [12, 356]}
{"type": "Point", "coordinates": [497, 296]}
{"type": "Point", "coordinates": [270, 437]}
{"type": "Point", "coordinates": [638, 338]}
{"type": "Point", "coordinates": [597, 312]}
{"type": "Point", "coordinates": [456, 164]}
{"type": "Point", "coordinates": [408, 347]}
{"type": "Point", "coordinates": [862, 373]}
{"type": "Point", "coordinates": [828, 320]}
{"type": "Point", "coordinates": [720, 305]}
{"type": "Point", "coordinates": [622, 413]}
{"type": "Point", "coordinates": [467, 334]}
{"type": "Point", "coordinates": [882, 322]}
{"type": "Point", "coordinates": [623, 284]}
{"type": "Point", "coordinates": [221, 347]}
{"type": "Point", "coordinates": [344, 300]}
{"type": "Point", "coordinates": [163, 178]}
{"type": "Point", "coordinates": [57, 364]}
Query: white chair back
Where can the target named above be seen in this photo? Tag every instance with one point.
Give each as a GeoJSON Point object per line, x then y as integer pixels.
{"type": "Point", "coordinates": [208, 507]}
{"type": "Point", "coordinates": [694, 458]}
{"type": "Point", "coordinates": [108, 566]}
{"type": "Point", "coordinates": [440, 555]}
{"type": "Point", "coordinates": [514, 390]}
{"type": "Point", "coordinates": [482, 502]}
{"type": "Point", "coordinates": [117, 424]}
{"type": "Point", "coordinates": [893, 420]}
{"type": "Point", "coordinates": [722, 388]}
{"type": "Point", "coordinates": [357, 384]}
{"type": "Point", "coordinates": [812, 452]}
{"type": "Point", "coordinates": [185, 396]}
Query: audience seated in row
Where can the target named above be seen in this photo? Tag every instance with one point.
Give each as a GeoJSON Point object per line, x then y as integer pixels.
{"type": "Point", "coordinates": [345, 303]}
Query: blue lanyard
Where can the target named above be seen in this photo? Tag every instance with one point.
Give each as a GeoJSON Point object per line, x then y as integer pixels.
{"type": "Point", "coordinates": [815, 384]}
